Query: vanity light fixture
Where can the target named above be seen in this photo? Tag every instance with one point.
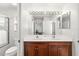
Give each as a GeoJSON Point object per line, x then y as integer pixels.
{"type": "Point", "coordinates": [46, 13]}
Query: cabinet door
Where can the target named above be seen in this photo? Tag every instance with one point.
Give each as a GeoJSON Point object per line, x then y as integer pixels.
{"type": "Point", "coordinates": [53, 50]}
{"type": "Point", "coordinates": [63, 50]}
{"type": "Point", "coordinates": [43, 50]}
{"type": "Point", "coordinates": [60, 49]}
{"type": "Point", "coordinates": [30, 49]}
{"type": "Point", "coordinates": [36, 49]}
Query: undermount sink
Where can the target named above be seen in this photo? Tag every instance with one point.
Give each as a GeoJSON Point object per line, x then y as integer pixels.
{"type": "Point", "coordinates": [47, 38]}
{"type": "Point", "coordinates": [44, 37]}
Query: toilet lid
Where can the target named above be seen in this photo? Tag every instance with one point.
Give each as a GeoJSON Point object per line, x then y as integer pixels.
{"type": "Point", "coordinates": [12, 49]}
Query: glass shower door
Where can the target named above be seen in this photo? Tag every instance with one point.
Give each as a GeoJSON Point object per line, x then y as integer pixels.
{"type": "Point", "coordinates": [4, 31]}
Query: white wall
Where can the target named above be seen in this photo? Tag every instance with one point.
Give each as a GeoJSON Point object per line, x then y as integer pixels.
{"type": "Point", "coordinates": [11, 14]}
{"type": "Point", "coordinates": [73, 32]}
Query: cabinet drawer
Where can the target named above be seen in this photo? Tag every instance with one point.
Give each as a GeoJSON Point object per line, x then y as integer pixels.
{"type": "Point", "coordinates": [60, 43]}
{"type": "Point", "coordinates": [35, 43]}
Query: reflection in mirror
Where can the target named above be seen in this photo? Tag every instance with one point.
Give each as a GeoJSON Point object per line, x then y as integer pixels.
{"type": "Point", "coordinates": [47, 22]}
{"type": "Point", "coordinates": [53, 29]}
{"type": "Point", "coordinates": [38, 25]}
{"type": "Point", "coordinates": [59, 22]}
{"type": "Point", "coordinates": [66, 21]}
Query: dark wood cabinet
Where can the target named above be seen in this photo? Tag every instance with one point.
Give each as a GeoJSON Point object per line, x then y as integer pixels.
{"type": "Point", "coordinates": [60, 49]}
{"type": "Point", "coordinates": [53, 51]}
{"type": "Point", "coordinates": [47, 48]}
{"type": "Point", "coordinates": [35, 49]}
{"type": "Point", "coordinates": [29, 49]}
{"type": "Point", "coordinates": [43, 50]}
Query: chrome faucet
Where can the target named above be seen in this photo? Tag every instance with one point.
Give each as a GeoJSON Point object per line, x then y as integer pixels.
{"type": "Point", "coordinates": [37, 36]}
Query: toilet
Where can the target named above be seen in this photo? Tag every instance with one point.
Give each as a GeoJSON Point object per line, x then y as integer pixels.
{"type": "Point", "coordinates": [12, 51]}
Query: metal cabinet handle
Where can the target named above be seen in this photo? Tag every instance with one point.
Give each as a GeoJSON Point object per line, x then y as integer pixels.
{"type": "Point", "coordinates": [36, 48]}
{"type": "Point", "coordinates": [36, 51]}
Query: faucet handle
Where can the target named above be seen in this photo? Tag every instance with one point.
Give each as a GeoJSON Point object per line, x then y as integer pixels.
{"type": "Point", "coordinates": [37, 36]}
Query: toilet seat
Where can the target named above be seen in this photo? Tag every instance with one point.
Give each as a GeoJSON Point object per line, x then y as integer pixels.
{"type": "Point", "coordinates": [11, 51]}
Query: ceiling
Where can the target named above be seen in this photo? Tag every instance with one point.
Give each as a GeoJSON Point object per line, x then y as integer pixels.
{"type": "Point", "coordinates": [8, 5]}
{"type": "Point", "coordinates": [44, 6]}
{"type": "Point", "coordinates": [7, 8]}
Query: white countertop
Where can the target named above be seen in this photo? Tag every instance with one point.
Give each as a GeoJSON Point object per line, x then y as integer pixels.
{"type": "Point", "coordinates": [48, 38]}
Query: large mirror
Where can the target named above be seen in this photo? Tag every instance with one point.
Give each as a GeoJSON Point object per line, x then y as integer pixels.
{"type": "Point", "coordinates": [49, 22]}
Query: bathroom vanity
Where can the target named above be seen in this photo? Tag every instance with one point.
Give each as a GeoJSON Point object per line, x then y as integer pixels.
{"type": "Point", "coordinates": [47, 46]}
{"type": "Point", "coordinates": [44, 34]}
